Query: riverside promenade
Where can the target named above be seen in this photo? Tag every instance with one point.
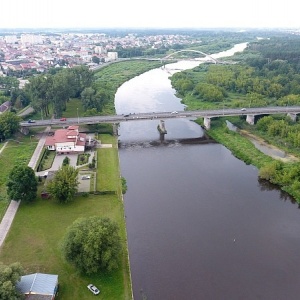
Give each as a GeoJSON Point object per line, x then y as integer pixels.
{"type": "Point", "coordinates": [14, 205]}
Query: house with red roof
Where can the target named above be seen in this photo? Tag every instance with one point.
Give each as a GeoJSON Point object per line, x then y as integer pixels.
{"type": "Point", "coordinates": [67, 141]}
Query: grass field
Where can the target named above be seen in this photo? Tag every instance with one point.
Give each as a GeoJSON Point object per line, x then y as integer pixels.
{"type": "Point", "coordinates": [38, 228]}
{"type": "Point", "coordinates": [16, 152]}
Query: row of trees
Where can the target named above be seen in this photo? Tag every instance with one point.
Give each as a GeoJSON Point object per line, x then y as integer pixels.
{"type": "Point", "coordinates": [52, 91]}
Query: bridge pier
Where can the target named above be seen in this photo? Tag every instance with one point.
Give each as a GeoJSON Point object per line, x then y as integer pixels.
{"type": "Point", "coordinates": [207, 123]}
{"type": "Point", "coordinates": [292, 116]}
{"type": "Point", "coordinates": [115, 129]}
{"type": "Point", "coordinates": [162, 129]}
{"type": "Point", "coordinates": [24, 130]}
{"type": "Point", "coordinates": [250, 119]}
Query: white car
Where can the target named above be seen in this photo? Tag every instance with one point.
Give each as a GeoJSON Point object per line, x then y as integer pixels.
{"type": "Point", "coordinates": [174, 112]}
{"type": "Point", "coordinates": [243, 109]}
{"type": "Point", "coordinates": [93, 289]}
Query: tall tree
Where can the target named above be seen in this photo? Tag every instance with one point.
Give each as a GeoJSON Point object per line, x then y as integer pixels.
{"type": "Point", "coordinates": [9, 124]}
{"type": "Point", "coordinates": [22, 184]}
{"type": "Point", "coordinates": [64, 184]}
{"type": "Point", "coordinates": [93, 244]}
{"type": "Point", "coordinates": [9, 277]}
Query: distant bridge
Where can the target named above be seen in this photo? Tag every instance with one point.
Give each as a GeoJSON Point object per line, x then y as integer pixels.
{"type": "Point", "coordinates": [190, 50]}
{"type": "Point", "coordinates": [250, 114]}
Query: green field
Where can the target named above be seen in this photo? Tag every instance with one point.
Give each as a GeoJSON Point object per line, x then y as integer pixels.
{"type": "Point", "coordinates": [38, 228]}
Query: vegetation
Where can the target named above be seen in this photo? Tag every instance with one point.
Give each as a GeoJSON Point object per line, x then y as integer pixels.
{"type": "Point", "coordinates": [93, 245]}
{"type": "Point", "coordinates": [16, 152]}
{"type": "Point", "coordinates": [38, 246]}
{"type": "Point", "coordinates": [9, 276]}
{"type": "Point", "coordinates": [267, 74]}
{"type": "Point", "coordinates": [9, 125]}
{"type": "Point", "coordinates": [64, 184]}
{"type": "Point", "coordinates": [22, 184]}
{"type": "Point", "coordinates": [124, 185]}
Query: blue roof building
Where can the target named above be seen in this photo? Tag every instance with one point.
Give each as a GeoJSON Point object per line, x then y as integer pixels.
{"type": "Point", "coordinates": [38, 286]}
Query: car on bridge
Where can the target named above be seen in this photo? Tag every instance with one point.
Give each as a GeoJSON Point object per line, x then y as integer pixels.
{"type": "Point", "coordinates": [243, 109]}
{"type": "Point", "coordinates": [31, 121]}
{"type": "Point", "coordinates": [63, 119]}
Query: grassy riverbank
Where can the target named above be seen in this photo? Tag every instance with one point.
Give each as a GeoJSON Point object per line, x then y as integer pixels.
{"type": "Point", "coordinates": [239, 145]}
{"type": "Point", "coordinates": [35, 237]}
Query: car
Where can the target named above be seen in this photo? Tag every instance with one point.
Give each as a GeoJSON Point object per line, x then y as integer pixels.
{"type": "Point", "coordinates": [174, 112]}
{"type": "Point", "coordinates": [93, 289]}
{"type": "Point", "coordinates": [63, 119]}
{"type": "Point", "coordinates": [31, 121]}
{"type": "Point", "coordinates": [126, 116]}
{"type": "Point", "coordinates": [243, 109]}
{"type": "Point", "coordinates": [86, 177]}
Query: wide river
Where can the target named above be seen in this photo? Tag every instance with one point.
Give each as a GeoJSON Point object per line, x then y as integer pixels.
{"type": "Point", "coordinates": [200, 224]}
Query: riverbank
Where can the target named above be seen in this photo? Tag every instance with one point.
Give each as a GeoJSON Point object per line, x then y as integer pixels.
{"type": "Point", "coordinates": [284, 157]}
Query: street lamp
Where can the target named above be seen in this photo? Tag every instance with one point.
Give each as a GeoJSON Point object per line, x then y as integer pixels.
{"type": "Point", "coordinates": [77, 116]}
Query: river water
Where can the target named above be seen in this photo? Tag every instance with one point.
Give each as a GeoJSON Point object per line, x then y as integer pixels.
{"type": "Point", "coordinates": [200, 224]}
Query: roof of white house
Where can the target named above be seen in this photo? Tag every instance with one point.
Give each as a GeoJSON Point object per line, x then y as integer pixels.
{"type": "Point", "coordinates": [71, 134]}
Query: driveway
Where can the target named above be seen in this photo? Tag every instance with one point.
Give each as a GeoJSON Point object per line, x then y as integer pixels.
{"type": "Point", "coordinates": [59, 158]}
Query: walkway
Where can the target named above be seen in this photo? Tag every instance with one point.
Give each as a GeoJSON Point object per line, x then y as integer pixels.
{"type": "Point", "coordinates": [14, 205]}
{"type": "Point", "coordinates": [8, 219]}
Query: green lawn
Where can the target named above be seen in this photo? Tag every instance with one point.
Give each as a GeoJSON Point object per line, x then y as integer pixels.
{"type": "Point", "coordinates": [17, 152]}
{"type": "Point", "coordinates": [35, 237]}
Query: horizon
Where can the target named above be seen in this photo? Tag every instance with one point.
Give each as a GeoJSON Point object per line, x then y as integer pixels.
{"type": "Point", "coordinates": [56, 14]}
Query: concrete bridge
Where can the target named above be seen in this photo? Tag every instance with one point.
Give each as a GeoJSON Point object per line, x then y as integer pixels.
{"type": "Point", "coordinates": [207, 115]}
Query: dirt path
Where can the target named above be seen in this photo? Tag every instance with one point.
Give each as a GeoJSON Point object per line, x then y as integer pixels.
{"type": "Point", "coordinates": [287, 157]}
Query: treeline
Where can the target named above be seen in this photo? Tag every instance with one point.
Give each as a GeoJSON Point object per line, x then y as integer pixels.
{"type": "Point", "coordinates": [50, 92]}
{"type": "Point", "coordinates": [258, 80]}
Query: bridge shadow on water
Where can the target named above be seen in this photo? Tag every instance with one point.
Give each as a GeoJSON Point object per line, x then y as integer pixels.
{"type": "Point", "coordinates": [160, 143]}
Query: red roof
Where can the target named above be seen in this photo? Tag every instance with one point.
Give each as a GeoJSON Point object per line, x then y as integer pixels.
{"type": "Point", "coordinates": [70, 134]}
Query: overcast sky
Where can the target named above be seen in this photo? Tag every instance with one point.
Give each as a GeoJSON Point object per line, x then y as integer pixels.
{"type": "Point", "coordinates": [149, 14]}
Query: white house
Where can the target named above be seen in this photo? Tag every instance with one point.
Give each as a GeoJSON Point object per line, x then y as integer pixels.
{"type": "Point", "coordinates": [66, 141]}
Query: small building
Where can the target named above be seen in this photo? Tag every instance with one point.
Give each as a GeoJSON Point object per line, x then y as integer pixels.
{"type": "Point", "coordinates": [38, 286]}
{"type": "Point", "coordinates": [66, 141]}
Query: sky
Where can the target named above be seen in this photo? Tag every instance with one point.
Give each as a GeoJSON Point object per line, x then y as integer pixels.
{"type": "Point", "coordinates": [149, 14]}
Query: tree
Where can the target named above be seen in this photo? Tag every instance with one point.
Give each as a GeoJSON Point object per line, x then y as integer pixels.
{"type": "Point", "coordinates": [9, 276]}
{"type": "Point", "coordinates": [22, 184]}
{"type": "Point", "coordinates": [64, 185]}
{"type": "Point", "coordinates": [93, 244]}
{"type": "Point", "coordinates": [9, 124]}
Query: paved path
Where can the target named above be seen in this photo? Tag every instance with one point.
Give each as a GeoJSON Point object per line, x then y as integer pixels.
{"type": "Point", "coordinates": [13, 206]}
{"type": "Point", "coordinates": [38, 150]}
{"type": "Point", "coordinates": [8, 219]}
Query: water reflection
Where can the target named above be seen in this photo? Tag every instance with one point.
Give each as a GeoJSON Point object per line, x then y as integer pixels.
{"type": "Point", "coordinates": [266, 185]}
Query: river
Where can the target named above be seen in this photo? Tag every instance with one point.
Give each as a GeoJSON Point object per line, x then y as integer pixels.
{"type": "Point", "coordinates": [200, 224]}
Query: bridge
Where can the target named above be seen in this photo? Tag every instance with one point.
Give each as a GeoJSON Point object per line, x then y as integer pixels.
{"type": "Point", "coordinates": [190, 50]}
{"type": "Point", "coordinates": [250, 114]}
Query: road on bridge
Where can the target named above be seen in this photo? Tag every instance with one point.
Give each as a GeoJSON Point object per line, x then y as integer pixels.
{"type": "Point", "coordinates": [164, 115]}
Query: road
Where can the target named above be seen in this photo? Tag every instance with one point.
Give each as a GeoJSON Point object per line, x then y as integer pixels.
{"type": "Point", "coordinates": [165, 115]}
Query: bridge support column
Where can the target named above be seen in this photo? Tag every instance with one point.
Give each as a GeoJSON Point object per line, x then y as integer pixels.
{"type": "Point", "coordinates": [292, 116]}
{"type": "Point", "coordinates": [24, 130]}
{"type": "Point", "coordinates": [162, 130]}
{"type": "Point", "coordinates": [250, 119]}
{"type": "Point", "coordinates": [207, 123]}
{"type": "Point", "coordinates": [115, 129]}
